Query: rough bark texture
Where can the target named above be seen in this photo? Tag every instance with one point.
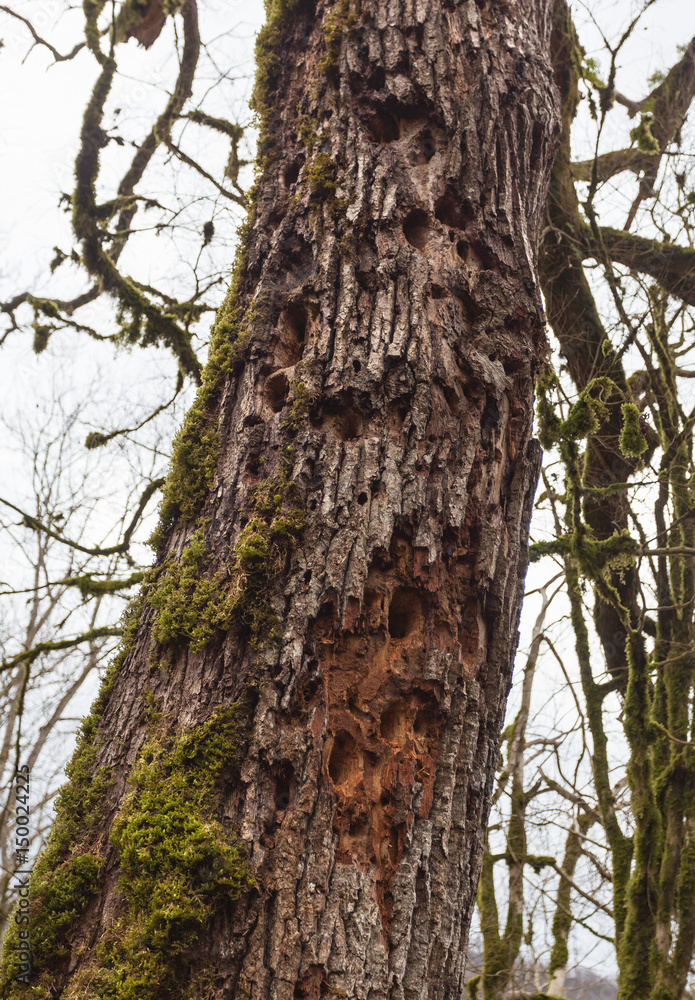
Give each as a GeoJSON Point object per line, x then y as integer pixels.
{"type": "Point", "coordinates": [389, 330]}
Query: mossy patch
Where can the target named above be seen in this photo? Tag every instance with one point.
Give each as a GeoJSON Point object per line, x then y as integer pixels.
{"type": "Point", "coordinates": [590, 410]}
{"type": "Point", "coordinates": [180, 864]}
{"type": "Point", "coordinates": [597, 558]}
{"type": "Point", "coordinates": [188, 603]}
{"type": "Point", "coordinates": [335, 26]}
{"type": "Point", "coordinates": [269, 45]}
{"type": "Point", "coordinates": [642, 135]}
{"type": "Point", "coordinates": [301, 401]}
{"type": "Point", "coordinates": [306, 130]}
{"type": "Point", "coordinates": [549, 422]}
{"type": "Point", "coordinates": [322, 176]}
{"type": "Point", "coordinates": [633, 443]}
{"type": "Point", "coordinates": [192, 605]}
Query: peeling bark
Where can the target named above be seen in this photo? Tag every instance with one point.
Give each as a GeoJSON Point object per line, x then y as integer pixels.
{"type": "Point", "coordinates": [392, 329]}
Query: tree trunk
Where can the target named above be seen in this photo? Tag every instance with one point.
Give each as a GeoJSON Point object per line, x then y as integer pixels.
{"type": "Point", "coordinates": [283, 789]}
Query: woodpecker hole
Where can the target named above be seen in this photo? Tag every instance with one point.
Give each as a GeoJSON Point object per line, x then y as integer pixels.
{"type": "Point", "coordinates": [277, 386]}
{"type": "Point", "coordinates": [383, 127]}
{"type": "Point", "coordinates": [416, 229]}
{"type": "Point", "coordinates": [345, 763]}
{"type": "Point", "coordinates": [394, 724]}
{"type": "Point", "coordinates": [405, 613]}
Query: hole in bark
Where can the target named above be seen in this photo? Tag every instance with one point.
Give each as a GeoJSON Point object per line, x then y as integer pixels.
{"type": "Point", "coordinates": [383, 127]}
{"type": "Point", "coordinates": [311, 985]}
{"type": "Point", "coordinates": [394, 723]}
{"type": "Point", "coordinates": [276, 389]}
{"type": "Point", "coordinates": [377, 77]}
{"type": "Point", "coordinates": [384, 799]}
{"type": "Point", "coordinates": [536, 142]}
{"type": "Point", "coordinates": [289, 335]}
{"type": "Point", "coordinates": [452, 399]}
{"type": "Point", "coordinates": [297, 318]}
{"type": "Point", "coordinates": [428, 145]}
{"type": "Point", "coordinates": [416, 229]}
{"type": "Point", "coordinates": [362, 499]}
{"type": "Point", "coordinates": [349, 425]}
{"type": "Point", "coordinates": [359, 826]}
{"type": "Point", "coordinates": [326, 609]}
{"type": "Point", "coordinates": [373, 599]}
{"type": "Point", "coordinates": [253, 420]}
{"type": "Point", "coordinates": [253, 465]}
{"type": "Point", "coordinates": [357, 366]}
{"type": "Point", "coordinates": [462, 249]}
{"type": "Point", "coordinates": [450, 212]}
{"type": "Point", "coordinates": [425, 720]}
{"type": "Point", "coordinates": [283, 786]}
{"type": "Point", "coordinates": [405, 613]}
{"type": "Point", "coordinates": [291, 174]}
{"type": "Point", "coordinates": [491, 414]}
{"type": "Point", "coordinates": [307, 576]}
{"type": "Point", "coordinates": [313, 504]}
{"type": "Point", "coordinates": [437, 292]}
{"type": "Point", "coordinates": [345, 762]}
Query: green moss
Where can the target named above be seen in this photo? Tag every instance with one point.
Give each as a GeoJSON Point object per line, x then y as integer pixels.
{"type": "Point", "coordinates": [269, 43]}
{"type": "Point", "coordinates": [335, 26]}
{"type": "Point", "coordinates": [582, 421]}
{"type": "Point", "coordinates": [64, 893]}
{"type": "Point", "coordinates": [66, 875]}
{"type": "Point", "coordinates": [306, 129]}
{"type": "Point", "coordinates": [193, 464]}
{"type": "Point", "coordinates": [597, 558]}
{"type": "Point", "coordinates": [633, 443]}
{"type": "Point", "coordinates": [301, 400]}
{"type": "Point", "coordinates": [179, 865]}
{"type": "Point", "coordinates": [321, 175]}
{"type": "Point", "coordinates": [473, 985]}
{"type": "Point", "coordinates": [643, 136]}
{"type": "Point", "coordinates": [189, 605]}
{"type": "Point", "coordinates": [88, 586]}
{"type": "Point", "coordinates": [192, 606]}
{"type": "Point", "coordinates": [590, 411]}
{"type": "Point", "coordinates": [92, 9]}
{"type": "Point", "coordinates": [549, 422]}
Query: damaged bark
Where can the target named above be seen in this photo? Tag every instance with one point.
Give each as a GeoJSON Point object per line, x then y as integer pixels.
{"type": "Point", "coordinates": [344, 535]}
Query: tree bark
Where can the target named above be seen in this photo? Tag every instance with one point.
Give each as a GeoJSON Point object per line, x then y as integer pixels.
{"type": "Point", "coordinates": [345, 535]}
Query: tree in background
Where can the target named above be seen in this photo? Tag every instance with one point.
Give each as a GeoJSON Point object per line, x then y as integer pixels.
{"type": "Point", "coordinates": [284, 784]}
{"type": "Point", "coordinates": [620, 495]}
